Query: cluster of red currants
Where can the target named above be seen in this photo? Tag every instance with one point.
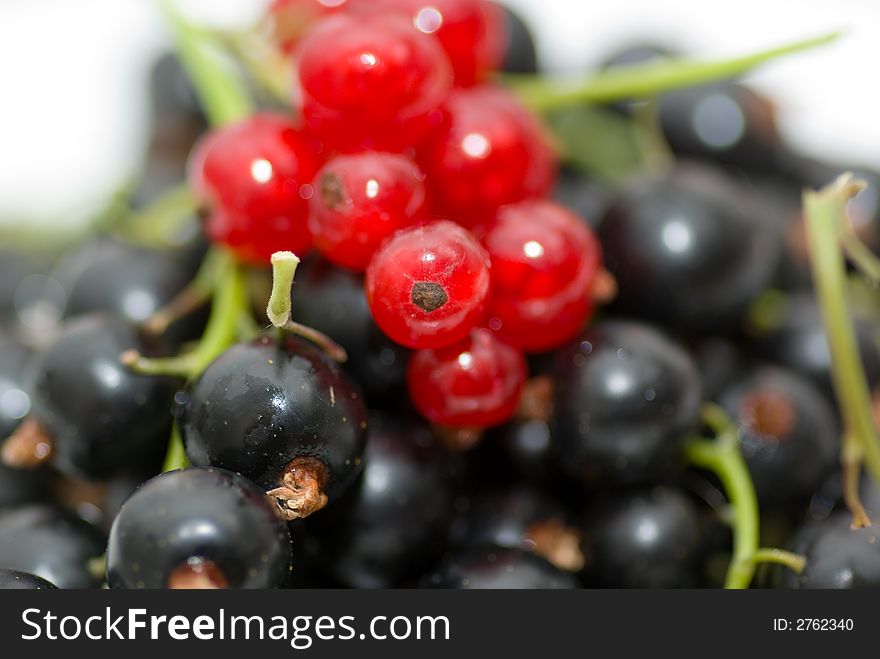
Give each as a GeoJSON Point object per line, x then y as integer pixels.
{"type": "Point", "coordinates": [403, 161]}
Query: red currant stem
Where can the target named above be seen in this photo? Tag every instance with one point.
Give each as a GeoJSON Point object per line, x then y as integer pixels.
{"type": "Point", "coordinates": [644, 80]}
{"type": "Point", "coordinates": [723, 457]}
{"type": "Point", "coordinates": [263, 61]}
{"type": "Point", "coordinates": [222, 93]}
{"type": "Point", "coordinates": [161, 221]}
{"type": "Point", "coordinates": [195, 295]}
{"type": "Point", "coordinates": [284, 266]}
{"type": "Point", "coordinates": [824, 212]}
{"type": "Point", "coordinates": [175, 458]}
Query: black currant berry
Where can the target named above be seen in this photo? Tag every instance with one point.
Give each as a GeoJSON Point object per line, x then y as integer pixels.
{"type": "Point", "coordinates": [521, 449]}
{"type": "Point", "coordinates": [51, 543]}
{"type": "Point", "coordinates": [282, 414]}
{"type": "Point", "coordinates": [14, 267]}
{"type": "Point", "coordinates": [394, 521]}
{"type": "Point", "coordinates": [499, 568]}
{"type": "Point", "coordinates": [15, 401]}
{"type": "Point", "coordinates": [90, 414]}
{"type": "Point", "coordinates": [127, 281]}
{"type": "Point", "coordinates": [521, 54]}
{"type": "Point", "coordinates": [838, 557]}
{"type": "Point", "coordinates": [725, 122]}
{"type": "Point", "coordinates": [625, 399]}
{"type": "Point", "coordinates": [15, 580]}
{"type": "Point", "coordinates": [644, 539]}
{"type": "Point", "coordinates": [688, 250]}
{"type": "Point", "coordinates": [796, 339]}
{"type": "Point", "coordinates": [720, 362]}
{"type": "Point", "coordinates": [787, 431]}
{"type": "Point", "coordinates": [332, 301]}
{"type": "Point", "coordinates": [198, 528]}
{"type": "Point", "coordinates": [520, 517]}
{"type": "Point", "coordinates": [18, 486]}
{"type": "Point", "coordinates": [588, 198]}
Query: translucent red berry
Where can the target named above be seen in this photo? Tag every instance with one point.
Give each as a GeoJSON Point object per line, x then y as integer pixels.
{"type": "Point", "coordinates": [256, 177]}
{"type": "Point", "coordinates": [290, 20]}
{"type": "Point", "coordinates": [489, 152]}
{"type": "Point", "coordinates": [544, 262]}
{"type": "Point", "coordinates": [362, 199]}
{"type": "Point", "coordinates": [427, 286]}
{"type": "Point", "coordinates": [474, 383]}
{"type": "Point", "coordinates": [472, 32]}
{"type": "Point", "coordinates": [371, 81]}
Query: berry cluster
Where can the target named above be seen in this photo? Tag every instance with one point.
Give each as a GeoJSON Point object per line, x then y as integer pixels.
{"type": "Point", "coordinates": [409, 166]}
{"type": "Point", "coordinates": [434, 404]}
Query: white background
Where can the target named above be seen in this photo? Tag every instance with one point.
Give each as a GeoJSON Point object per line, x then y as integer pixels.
{"type": "Point", "coordinates": [73, 73]}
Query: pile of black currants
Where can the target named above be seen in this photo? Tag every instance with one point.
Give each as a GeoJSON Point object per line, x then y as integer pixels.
{"type": "Point", "coordinates": [485, 362]}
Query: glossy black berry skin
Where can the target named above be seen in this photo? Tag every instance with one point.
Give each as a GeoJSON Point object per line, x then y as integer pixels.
{"type": "Point", "coordinates": [643, 539]}
{"type": "Point", "coordinates": [510, 517]}
{"type": "Point", "coordinates": [625, 398]}
{"type": "Point", "coordinates": [101, 417]}
{"type": "Point", "coordinates": [14, 397]}
{"type": "Point", "coordinates": [238, 532]}
{"type": "Point", "coordinates": [720, 361]}
{"type": "Point", "coordinates": [788, 434]}
{"type": "Point", "coordinates": [127, 281]}
{"type": "Point", "coordinates": [15, 580]}
{"type": "Point", "coordinates": [587, 197]}
{"type": "Point", "coordinates": [521, 55]}
{"type": "Point", "coordinates": [393, 523]}
{"type": "Point", "coordinates": [18, 486]}
{"type": "Point", "coordinates": [689, 250]}
{"type": "Point", "coordinates": [51, 543]}
{"type": "Point", "coordinates": [262, 404]}
{"type": "Point", "coordinates": [798, 342]}
{"type": "Point", "coordinates": [332, 301]}
{"type": "Point", "coordinates": [499, 568]}
{"type": "Point", "coordinates": [14, 267]}
{"type": "Point", "coordinates": [838, 557]}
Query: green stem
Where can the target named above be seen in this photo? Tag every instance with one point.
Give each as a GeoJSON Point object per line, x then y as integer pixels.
{"type": "Point", "coordinates": [176, 456]}
{"type": "Point", "coordinates": [860, 254]}
{"type": "Point", "coordinates": [284, 266]}
{"type": "Point", "coordinates": [650, 79]}
{"type": "Point", "coordinates": [825, 212]}
{"type": "Point", "coordinates": [229, 303]}
{"type": "Point", "coordinates": [723, 457]}
{"type": "Point", "coordinates": [195, 295]}
{"type": "Point", "coordinates": [157, 224]}
{"type": "Point", "coordinates": [222, 93]}
{"type": "Point", "coordinates": [794, 562]}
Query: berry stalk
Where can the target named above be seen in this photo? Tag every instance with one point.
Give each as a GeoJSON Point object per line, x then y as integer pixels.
{"type": "Point", "coordinates": [824, 211]}
{"type": "Point", "coordinates": [221, 92]}
{"type": "Point", "coordinates": [724, 458]}
{"type": "Point", "coordinates": [644, 80]}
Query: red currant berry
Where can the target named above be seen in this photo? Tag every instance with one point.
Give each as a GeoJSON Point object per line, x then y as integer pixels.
{"type": "Point", "coordinates": [362, 199]}
{"type": "Point", "coordinates": [475, 383]}
{"type": "Point", "coordinates": [256, 176]}
{"type": "Point", "coordinates": [472, 32]}
{"type": "Point", "coordinates": [489, 152]}
{"type": "Point", "coordinates": [290, 20]}
{"type": "Point", "coordinates": [544, 263]}
{"type": "Point", "coordinates": [428, 285]}
{"type": "Point", "coordinates": [371, 81]}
